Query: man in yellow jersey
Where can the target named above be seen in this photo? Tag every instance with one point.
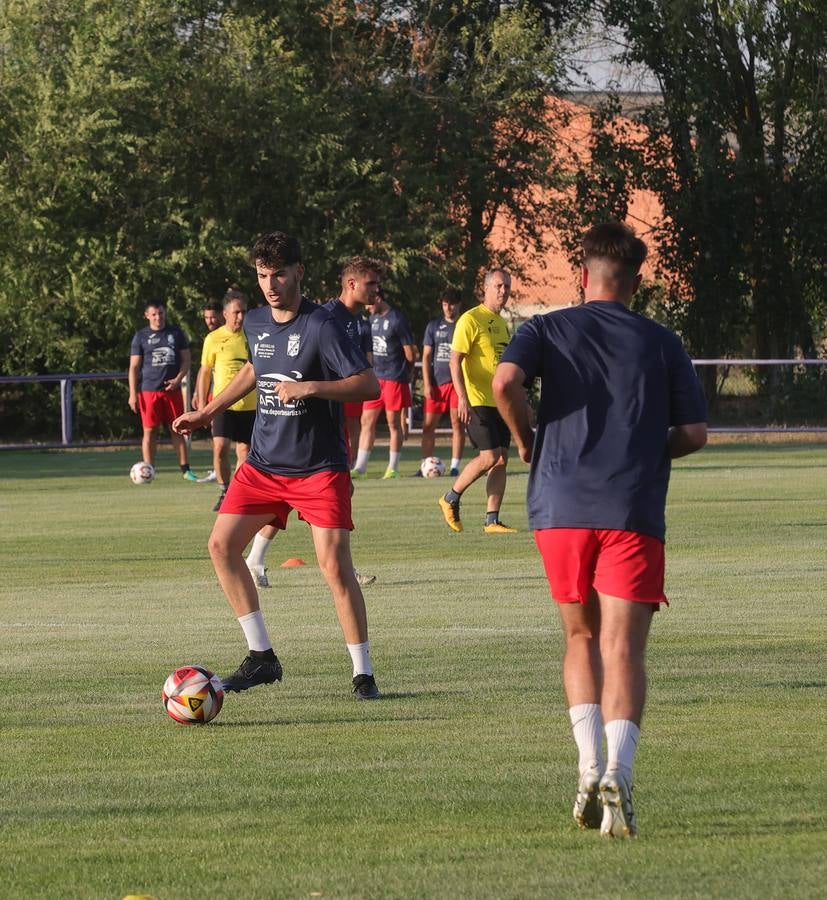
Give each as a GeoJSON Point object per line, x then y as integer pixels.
{"type": "Point", "coordinates": [479, 339]}
{"type": "Point", "coordinates": [225, 354]}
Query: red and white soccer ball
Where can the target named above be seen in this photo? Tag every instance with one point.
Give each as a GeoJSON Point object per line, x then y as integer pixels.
{"type": "Point", "coordinates": [142, 473]}
{"type": "Point", "coordinates": [192, 695]}
{"type": "Point", "coordinates": [432, 467]}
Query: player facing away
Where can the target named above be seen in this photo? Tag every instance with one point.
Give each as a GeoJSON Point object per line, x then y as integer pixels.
{"type": "Point", "coordinates": [480, 336]}
{"type": "Point", "coordinates": [159, 360]}
{"type": "Point", "coordinates": [223, 355]}
{"type": "Point", "coordinates": [393, 356]}
{"type": "Point", "coordinates": [361, 280]}
{"type": "Point", "coordinates": [619, 401]}
{"type": "Point", "coordinates": [303, 367]}
{"type": "Point", "coordinates": [438, 386]}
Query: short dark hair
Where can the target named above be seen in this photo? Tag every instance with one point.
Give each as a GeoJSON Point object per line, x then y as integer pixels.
{"type": "Point", "coordinates": [615, 243]}
{"type": "Point", "coordinates": [159, 303]}
{"type": "Point", "coordinates": [213, 305]}
{"type": "Point", "coordinates": [231, 295]}
{"type": "Point", "coordinates": [361, 265]}
{"type": "Point", "coordinates": [451, 295]}
{"type": "Point", "coordinates": [276, 250]}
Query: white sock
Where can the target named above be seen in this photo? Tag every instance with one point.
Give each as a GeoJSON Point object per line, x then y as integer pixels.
{"type": "Point", "coordinates": [362, 457]}
{"type": "Point", "coordinates": [255, 631]}
{"type": "Point", "coordinates": [622, 738]}
{"type": "Point", "coordinates": [256, 555]}
{"type": "Point", "coordinates": [587, 727]}
{"type": "Point", "coordinates": [360, 655]}
{"type": "Point", "coordinates": [454, 462]}
{"type": "Point", "coordinates": [393, 460]}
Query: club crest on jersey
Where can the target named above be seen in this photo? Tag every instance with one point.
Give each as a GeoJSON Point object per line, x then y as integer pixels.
{"type": "Point", "coordinates": [293, 344]}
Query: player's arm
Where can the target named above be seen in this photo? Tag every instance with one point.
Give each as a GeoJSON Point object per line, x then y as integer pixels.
{"type": "Point", "coordinates": [134, 368]}
{"type": "Point", "coordinates": [202, 387]}
{"type": "Point", "coordinates": [463, 407]}
{"type": "Point", "coordinates": [183, 370]}
{"type": "Point", "coordinates": [686, 439]}
{"type": "Point", "coordinates": [241, 385]}
{"type": "Point", "coordinates": [509, 392]}
{"type": "Point", "coordinates": [361, 386]}
{"type": "Point", "coordinates": [427, 371]}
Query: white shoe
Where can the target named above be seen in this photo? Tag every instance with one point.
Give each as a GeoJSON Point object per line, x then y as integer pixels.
{"type": "Point", "coordinates": [618, 812]}
{"type": "Point", "coordinates": [587, 812]}
{"type": "Point", "coordinates": [210, 476]}
{"type": "Point", "coordinates": [259, 574]}
{"type": "Point", "coordinates": [364, 580]}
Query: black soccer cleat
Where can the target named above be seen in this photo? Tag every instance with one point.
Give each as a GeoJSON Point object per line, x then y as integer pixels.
{"type": "Point", "coordinates": [252, 672]}
{"type": "Point", "coordinates": [364, 688]}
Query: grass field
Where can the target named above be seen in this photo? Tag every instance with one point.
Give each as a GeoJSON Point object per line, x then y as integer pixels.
{"type": "Point", "coordinates": [459, 782]}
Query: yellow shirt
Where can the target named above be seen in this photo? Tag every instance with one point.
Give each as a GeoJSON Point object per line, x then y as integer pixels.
{"type": "Point", "coordinates": [482, 336]}
{"type": "Point", "coordinates": [226, 353]}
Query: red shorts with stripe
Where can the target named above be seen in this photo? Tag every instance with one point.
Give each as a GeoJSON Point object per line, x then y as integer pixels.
{"type": "Point", "coordinates": [395, 395]}
{"type": "Point", "coordinates": [621, 564]}
{"type": "Point", "coordinates": [160, 407]}
{"type": "Point", "coordinates": [352, 410]}
{"type": "Point", "coordinates": [321, 499]}
{"type": "Point", "coordinates": [447, 398]}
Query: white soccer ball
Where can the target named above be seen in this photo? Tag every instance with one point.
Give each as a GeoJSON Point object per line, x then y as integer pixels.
{"type": "Point", "coordinates": [192, 695]}
{"type": "Point", "coordinates": [432, 467]}
{"type": "Point", "coordinates": [142, 473]}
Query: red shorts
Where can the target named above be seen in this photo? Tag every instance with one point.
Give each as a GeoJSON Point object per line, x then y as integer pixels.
{"type": "Point", "coordinates": [160, 407]}
{"type": "Point", "coordinates": [322, 499]}
{"type": "Point", "coordinates": [621, 564]}
{"type": "Point", "coordinates": [352, 410]}
{"type": "Point", "coordinates": [447, 398]}
{"type": "Point", "coordinates": [395, 395]}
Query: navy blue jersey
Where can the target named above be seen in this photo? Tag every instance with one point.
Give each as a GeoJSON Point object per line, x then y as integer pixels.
{"type": "Point", "coordinates": [438, 334]}
{"type": "Point", "coordinates": [356, 327]}
{"type": "Point", "coordinates": [160, 353]}
{"type": "Point", "coordinates": [613, 383]}
{"type": "Point", "coordinates": [390, 332]}
{"type": "Point", "coordinates": [306, 436]}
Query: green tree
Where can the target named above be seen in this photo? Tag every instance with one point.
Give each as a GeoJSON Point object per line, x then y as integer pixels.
{"type": "Point", "coordinates": [735, 152]}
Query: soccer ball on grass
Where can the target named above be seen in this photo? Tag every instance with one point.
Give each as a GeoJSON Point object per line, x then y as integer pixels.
{"type": "Point", "coordinates": [432, 467]}
{"type": "Point", "coordinates": [142, 473]}
{"type": "Point", "coordinates": [192, 695]}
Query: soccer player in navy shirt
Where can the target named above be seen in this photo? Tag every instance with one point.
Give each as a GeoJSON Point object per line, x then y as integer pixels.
{"type": "Point", "coordinates": [361, 280]}
{"type": "Point", "coordinates": [303, 367]}
{"type": "Point", "coordinates": [619, 401]}
{"type": "Point", "coordinates": [438, 389]}
{"type": "Point", "coordinates": [159, 360]}
{"type": "Point", "coordinates": [393, 358]}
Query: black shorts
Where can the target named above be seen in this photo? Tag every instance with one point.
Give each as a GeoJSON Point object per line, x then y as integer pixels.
{"type": "Point", "coordinates": [237, 426]}
{"type": "Point", "coordinates": [487, 429]}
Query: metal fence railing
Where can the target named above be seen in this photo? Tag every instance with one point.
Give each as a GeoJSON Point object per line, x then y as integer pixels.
{"type": "Point", "coordinates": [743, 401]}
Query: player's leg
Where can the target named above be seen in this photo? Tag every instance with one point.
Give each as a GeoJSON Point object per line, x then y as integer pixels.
{"type": "Point", "coordinates": [221, 464]}
{"type": "Point", "coordinates": [457, 440]}
{"type": "Point", "coordinates": [623, 632]}
{"type": "Point", "coordinates": [367, 435]}
{"type": "Point", "coordinates": [257, 552]}
{"type": "Point", "coordinates": [171, 404]}
{"type": "Point", "coordinates": [495, 491]}
{"type": "Point", "coordinates": [149, 443]}
{"type": "Point", "coordinates": [568, 556]}
{"type": "Point", "coordinates": [474, 469]}
{"type": "Point", "coordinates": [628, 577]}
{"type": "Point", "coordinates": [332, 547]}
{"type": "Point", "coordinates": [397, 437]}
{"type": "Point", "coordinates": [582, 683]}
{"type": "Point", "coordinates": [429, 423]}
{"type": "Point", "coordinates": [230, 535]}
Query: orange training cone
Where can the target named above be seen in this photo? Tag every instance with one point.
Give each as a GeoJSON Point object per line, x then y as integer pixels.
{"type": "Point", "coordinates": [293, 561]}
